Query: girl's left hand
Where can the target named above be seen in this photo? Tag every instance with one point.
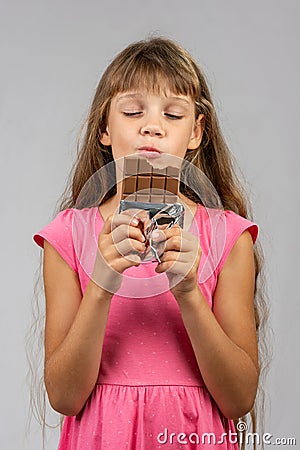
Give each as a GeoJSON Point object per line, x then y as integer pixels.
{"type": "Point", "coordinates": [180, 260]}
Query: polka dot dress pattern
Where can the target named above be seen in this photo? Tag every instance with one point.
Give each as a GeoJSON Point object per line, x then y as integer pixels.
{"type": "Point", "coordinates": [149, 393]}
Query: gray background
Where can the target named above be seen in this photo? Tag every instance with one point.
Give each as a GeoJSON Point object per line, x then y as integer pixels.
{"type": "Point", "coordinates": [52, 55]}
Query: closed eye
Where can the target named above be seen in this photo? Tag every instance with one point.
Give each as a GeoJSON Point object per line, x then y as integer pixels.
{"type": "Point", "coordinates": [173, 116]}
{"type": "Point", "coordinates": [136, 113]}
{"type": "Point", "coordinates": [130, 114]}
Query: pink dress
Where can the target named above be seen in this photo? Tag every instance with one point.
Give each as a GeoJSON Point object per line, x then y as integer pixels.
{"type": "Point", "coordinates": [149, 393]}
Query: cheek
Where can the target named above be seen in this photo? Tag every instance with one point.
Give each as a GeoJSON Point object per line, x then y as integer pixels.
{"type": "Point", "coordinates": [184, 136]}
{"type": "Point", "coordinates": [121, 143]}
{"type": "Point", "coordinates": [116, 135]}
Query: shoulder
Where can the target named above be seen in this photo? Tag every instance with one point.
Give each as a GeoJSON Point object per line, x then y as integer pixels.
{"type": "Point", "coordinates": [225, 222]}
{"type": "Point", "coordinates": [58, 233]}
{"type": "Point", "coordinates": [62, 220]}
{"type": "Point", "coordinates": [241, 253]}
{"type": "Point", "coordinates": [240, 236]}
{"type": "Point", "coordinates": [236, 225]}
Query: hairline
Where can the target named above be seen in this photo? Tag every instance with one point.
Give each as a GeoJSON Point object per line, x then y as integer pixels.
{"type": "Point", "coordinates": [138, 94]}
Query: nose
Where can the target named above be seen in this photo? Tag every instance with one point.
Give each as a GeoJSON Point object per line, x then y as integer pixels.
{"type": "Point", "coordinates": [152, 127]}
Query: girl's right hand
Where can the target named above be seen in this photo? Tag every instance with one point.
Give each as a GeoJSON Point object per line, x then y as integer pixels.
{"type": "Point", "coordinates": [119, 245]}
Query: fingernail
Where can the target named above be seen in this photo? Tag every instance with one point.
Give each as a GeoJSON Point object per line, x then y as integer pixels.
{"type": "Point", "coordinates": [135, 221]}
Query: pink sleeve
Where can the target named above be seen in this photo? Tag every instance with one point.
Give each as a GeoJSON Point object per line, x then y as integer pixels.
{"type": "Point", "coordinates": [235, 226]}
{"type": "Point", "coordinates": [59, 234]}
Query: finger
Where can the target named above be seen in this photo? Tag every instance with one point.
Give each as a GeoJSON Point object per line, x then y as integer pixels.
{"type": "Point", "coordinates": [175, 230]}
{"type": "Point", "coordinates": [115, 220]}
{"type": "Point", "coordinates": [176, 268]}
{"type": "Point", "coordinates": [180, 245]}
{"type": "Point", "coordinates": [140, 214]}
{"type": "Point", "coordinates": [157, 236]}
{"type": "Point", "coordinates": [173, 256]}
{"type": "Point", "coordinates": [128, 246]}
{"type": "Point", "coordinates": [125, 232]}
{"type": "Point", "coordinates": [123, 219]}
{"type": "Point", "coordinates": [181, 240]}
{"type": "Point", "coordinates": [166, 234]}
{"type": "Point", "coordinates": [129, 261]}
{"type": "Point", "coordinates": [172, 241]}
{"type": "Point", "coordinates": [119, 260]}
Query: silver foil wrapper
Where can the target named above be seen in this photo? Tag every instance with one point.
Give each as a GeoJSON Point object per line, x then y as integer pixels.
{"type": "Point", "coordinates": [159, 214]}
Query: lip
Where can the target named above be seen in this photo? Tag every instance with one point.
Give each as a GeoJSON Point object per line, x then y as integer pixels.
{"type": "Point", "coordinates": [149, 149]}
{"type": "Point", "coordinates": [149, 152]}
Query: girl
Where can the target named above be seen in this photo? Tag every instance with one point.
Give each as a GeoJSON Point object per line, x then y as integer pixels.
{"type": "Point", "coordinates": [172, 370]}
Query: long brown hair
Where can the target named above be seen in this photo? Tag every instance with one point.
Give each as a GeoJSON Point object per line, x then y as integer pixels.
{"type": "Point", "coordinates": [157, 64]}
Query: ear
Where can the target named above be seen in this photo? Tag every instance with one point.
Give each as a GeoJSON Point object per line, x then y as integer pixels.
{"type": "Point", "coordinates": [197, 134]}
{"type": "Point", "coordinates": [105, 138]}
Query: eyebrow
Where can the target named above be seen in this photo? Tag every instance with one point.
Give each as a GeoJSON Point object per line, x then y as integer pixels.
{"type": "Point", "coordinates": [136, 95]}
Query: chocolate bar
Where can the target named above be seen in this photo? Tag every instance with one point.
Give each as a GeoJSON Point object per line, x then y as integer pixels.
{"type": "Point", "coordinates": [158, 185]}
{"type": "Point", "coordinates": [154, 190]}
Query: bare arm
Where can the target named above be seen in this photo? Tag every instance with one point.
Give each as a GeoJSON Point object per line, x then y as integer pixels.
{"type": "Point", "coordinates": [75, 324]}
{"type": "Point", "coordinates": [74, 334]}
{"type": "Point", "coordinates": [225, 342]}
